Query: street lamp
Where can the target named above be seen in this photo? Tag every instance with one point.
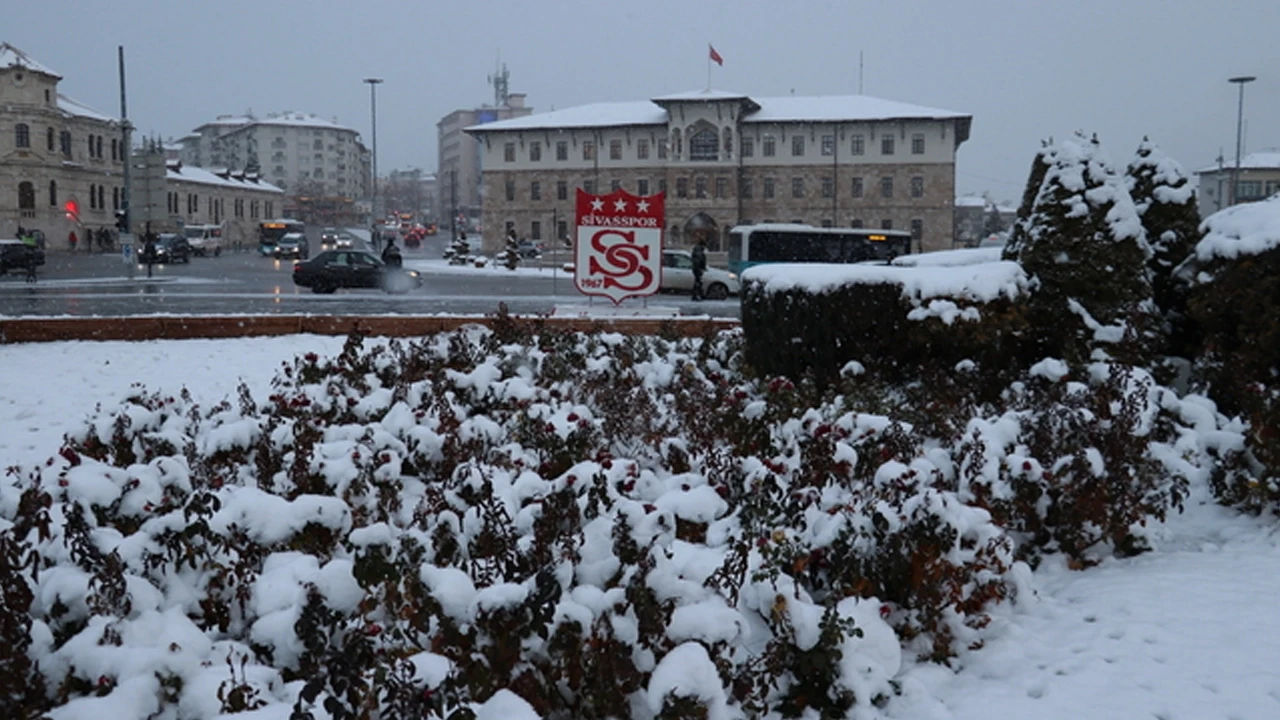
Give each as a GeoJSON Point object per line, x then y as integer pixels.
{"type": "Point", "coordinates": [1235, 169]}
{"type": "Point", "coordinates": [373, 111]}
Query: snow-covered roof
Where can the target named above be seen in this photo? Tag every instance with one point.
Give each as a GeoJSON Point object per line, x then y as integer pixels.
{"type": "Point", "coordinates": [971, 201]}
{"type": "Point", "coordinates": [190, 173]}
{"type": "Point", "coordinates": [1263, 160]}
{"type": "Point", "coordinates": [827, 108]}
{"type": "Point", "coordinates": [12, 57]}
{"type": "Point", "coordinates": [295, 119]}
{"type": "Point", "coordinates": [78, 109]}
{"type": "Point", "coordinates": [1244, 229]}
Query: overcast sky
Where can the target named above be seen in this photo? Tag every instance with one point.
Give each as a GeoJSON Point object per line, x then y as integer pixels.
{"type": "Point", "coordinates": [1025, 69]}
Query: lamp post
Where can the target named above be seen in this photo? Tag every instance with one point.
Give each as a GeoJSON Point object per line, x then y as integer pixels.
{"type": "Point", "coordinates": [1235, 169]}
{"type": "Point", "coordinates": [373, 111]}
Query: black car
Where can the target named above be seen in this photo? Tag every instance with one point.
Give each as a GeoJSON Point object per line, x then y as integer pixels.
{"type": "Point", "coordinates": [17, 256]}
{"type": "Point", "coordinates": [333, 269]}
{"type": "Point", "coordinates": [172, 248]}
{"type": "Point", "coordinates": [292, 245]}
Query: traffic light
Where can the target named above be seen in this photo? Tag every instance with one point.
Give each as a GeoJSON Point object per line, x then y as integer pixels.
{"type": "Point", "coordinates": [122, 221]}
{"type": "Point", "coordinates": [73, 210]}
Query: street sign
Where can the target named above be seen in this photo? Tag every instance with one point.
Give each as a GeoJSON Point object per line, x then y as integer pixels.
{"type": "Point", "coordinates": [618, 244]}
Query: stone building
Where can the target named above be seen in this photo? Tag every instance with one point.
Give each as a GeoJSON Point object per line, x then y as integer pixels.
{"type": "Point", "coordinates": [61, 163]}
{"type": "Point", "coordinates": [460, 156]}
{"type": "Point", "coordinates": [726, 158]}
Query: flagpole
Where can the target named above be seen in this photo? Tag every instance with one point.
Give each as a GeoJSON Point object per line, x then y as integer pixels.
{"type": "Point", "coordinates": [708, 67]}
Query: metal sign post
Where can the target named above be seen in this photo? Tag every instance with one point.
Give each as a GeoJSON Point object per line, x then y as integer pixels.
{"type": "Point", "coordinates": [127, 254]}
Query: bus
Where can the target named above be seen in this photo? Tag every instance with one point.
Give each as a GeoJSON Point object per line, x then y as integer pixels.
{"type": "Point", "coordinates": [795, 243]}
{"type": "Point", "coordinates": [270, 231]}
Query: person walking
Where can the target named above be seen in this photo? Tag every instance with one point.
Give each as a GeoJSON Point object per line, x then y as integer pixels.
{"type": "Point", "coordinates": [72, 239]}
{"type": "Point", "coordinates": [699, 267]}
{"type": "Point", "coordinates": [391, 254]}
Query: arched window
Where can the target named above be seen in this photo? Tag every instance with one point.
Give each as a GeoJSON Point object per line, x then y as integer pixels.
{"type": "Point", "coordinates": [26, 196]}
{"type": "Point", "coordinates": [677, 143]}
{"type": "Point", "coordinates": [53, 192]}
{"type": "Point", "coordinates": [21, 135]}
{"type": "Point", "coordinates": [48, 138]}
{"type": "Point", "coordinates": [102, 195]}
{"type": "Point", "coordinates": [704, 145]}
{"type": "Point", "coordinates": [728, 142]}
{"type": "Point", "coordinates": [64, 139]}
{"type": "Point", "coordinates": [93, 197]}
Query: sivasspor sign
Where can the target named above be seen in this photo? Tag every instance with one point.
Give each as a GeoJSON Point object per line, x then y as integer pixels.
{"type": "Point", "coordinates": [618, 248]}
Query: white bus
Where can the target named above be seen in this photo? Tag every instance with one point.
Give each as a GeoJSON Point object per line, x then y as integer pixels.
{"type": "Point", "coordinates": [793, 243]}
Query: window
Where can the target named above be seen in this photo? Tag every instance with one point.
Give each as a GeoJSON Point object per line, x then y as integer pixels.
{"type": "Point", "coordinates": [642, 149]}
{"type": "Point", "coordinates": [662, 149]}
{"type": "Point", "coordinates": [826, 222]}
{"type": "Point", "coordinates": [704, 145]}
{"type": "Point", "coordinates": [745, 190]}
{"type": "Point", "coordinates": [26, 196]}
{"type": "Point", "coordinates": [21, 135]}
{"type": "Point", "coordinates": [748, 147]}
{"type": "Point", "coordinates": [48, 139]}
{"type": "Point", "coordinates": [677, 144]}
{"type": "Point", "coordinates": [767, 193]}
{"type": "Point", "coordinates": [511, 190]}
{"type": "Point", "coordinates": [509, 152]}
{"type": "Point", "coordinates": [855, 223]}
{"type": "Point", "coordinates": [562, 190]}
{"type": "Point", "coordinates": [115, 147]}
{"type": "Point", "coordinates": [722, 187]}
{"type": "Point", "coordinates": [93, 198]}
{"type": "Point", "coordinates": [53, 192]}
{"type": "Point", "coordinates": [886, 144]}
{"type": "Point", "coordinates": [917, 187]}
{"type": "Point", "coordinates": [917, 144]}
{"type": "Point", "coordinates": [615, 185]}
{"type": "Point", "coordinates": [115, 198]}
{"type": "Point", "coordinates": [682, 187]}
{"type": "Point", "coordinates": [535, 230]}
{"type": "Point", "coordinates": [917, 229]}
{"type": "Point", "coordinates": [562, 229]}
{"type": "Point", "coordinates": [886, 187]}
{"type": "Point", "coordinates": [857, 145]}
{"type": "Point", "coordinates": [64, 140]}
{"type": "Point", "coordinates": [855, 187]}
{"type": "Point", "coordinates": [535, 151]}
{"type": "Point", "coordinates": [1249, 190]}
{"type": "Point", "coordinates": [102, 197]}
{"type": "Point", "coordinates": [588, 149]}
{"type": "Point", "coordinates": [797, 146]}
{"type": "Point", "coordinates": [828, 145]}
{"type": "Point", "coordinates": [770, 146]}
{"type": "Point", "coordinates": [662, 185]}
{"type": "Point", "coordinates": [828, 187]}
{"type": "Point", "coordinates": [535, 190]}
{"type": "Point", "coordinates": [589, 186]}
{"type": "Point", "coordinates": [510, 228]}
{"type": "Point", "coordinates": [728, 143]}
{"type": "Point", "coordinates": [886, 224]}
{"type": "Point", "coordinates": [615, 149]}
{"type": "Point", "coordinates": [797, 187]}
{"type": "Point", "coordinates": [642, 186]}
{"type": "Point", "coordinates": [699, 184]}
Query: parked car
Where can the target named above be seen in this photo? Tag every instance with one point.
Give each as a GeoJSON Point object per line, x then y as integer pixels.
{"type": "Point", "coordinates": [333, 269]}
{"type": "Point", "coordinates": [677, 276]}
{"type": "Point", "coordinates": [172, 248]}
{"type": "Point", "coordinates": [529, 249]}
{"type": "Point", "coordinates": [292, 245]}
{"type": "Point", "coordinates": [17, 256]}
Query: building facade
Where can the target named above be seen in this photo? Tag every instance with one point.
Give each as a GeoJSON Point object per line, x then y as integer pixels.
{"type": "Point", "coordinates": [411, 191]}
{"type": "Point", "coordinates": [61, 163]}
{"type": "Point", "coordinates": [302, 154]}
{"type": "Point", "coordinates": [725, 159]}
{"type": "Point", "coordinates": [461, 159]}
{"type": "Point", "coordinates": [1258, 179]}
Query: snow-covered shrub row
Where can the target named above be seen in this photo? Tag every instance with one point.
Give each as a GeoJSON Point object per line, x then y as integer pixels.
{"type": "Point", "coordinates": [504, 524]}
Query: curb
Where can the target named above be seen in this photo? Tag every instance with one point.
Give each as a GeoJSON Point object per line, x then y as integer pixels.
{"type": "Point", "coordinates": [27, 330]}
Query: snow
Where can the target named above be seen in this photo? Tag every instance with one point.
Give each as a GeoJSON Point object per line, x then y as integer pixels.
{"type": "Point", "coordinates": [787, 108]}
{"type": "Point", "coordinates": [1184, 631]}
{"type": "Point", "coordinates": [952, 275]}
{"type": "Point", "coordinates": [1263, 160]}
{"type": "Point", "coordinates": [12, 57]}
{"type": "Point", "coordinates": [1244, 229]}
{"type": "Point", "coordinates": [78, 109]}
{"type": "Point", "coordinates": [191, 173]}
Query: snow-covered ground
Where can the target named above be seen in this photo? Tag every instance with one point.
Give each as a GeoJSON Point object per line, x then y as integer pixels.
{"type": "Point", "coordinates": [1189, 631]}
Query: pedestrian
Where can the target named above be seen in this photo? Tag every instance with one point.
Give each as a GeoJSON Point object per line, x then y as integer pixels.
{"type": "Point", "coordinates": [391, 254]}
{"type": "Point", "coordinates": [699, 267]}
{"type": "Point", "coordinates": [71, 240]}
{"type": "Point", "coordinates": [31, 266]}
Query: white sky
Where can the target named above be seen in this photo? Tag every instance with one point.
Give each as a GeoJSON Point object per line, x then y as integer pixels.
{"type": "Point", "coordinates": [1025, 70]}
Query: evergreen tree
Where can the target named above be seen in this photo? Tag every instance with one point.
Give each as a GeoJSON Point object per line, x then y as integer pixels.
{"type": "Point", "coordinates": [1039, 168]}
{"type": "Point", "coordinates": [252, 166]}
{"type": "Point", "coordinates": [1166, 203]}
{"type": "Point", "coordinates": [1084, 243]}
{"type": "Point", "coordinates": [993, 224]}
{"type": "Point", "coordinates": [511, 254]}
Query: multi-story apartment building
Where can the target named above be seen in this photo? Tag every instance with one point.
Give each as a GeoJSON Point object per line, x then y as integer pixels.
{"type": "Point", "coordinates": [1259, 178]}
{"type": "Point", "coordinates": [303, 154]}
{"type": "Point", "coordinates": [61, 163]}
{"type": "Point", "coordinates": [725, 159]}
{"type": "Point", "coordinates": [460, 158]}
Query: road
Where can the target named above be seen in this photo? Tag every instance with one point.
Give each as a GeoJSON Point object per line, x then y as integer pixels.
{"type": "Point", "coordinates": [98, 285]}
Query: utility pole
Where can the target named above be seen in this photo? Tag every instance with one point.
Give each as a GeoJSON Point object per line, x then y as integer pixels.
{"type": "Point", "coordinates": [1235, 170]}
{"type": "Point", "coordinates": [126, 229]}
{"type": "Point", "coordinates": [373, 111]}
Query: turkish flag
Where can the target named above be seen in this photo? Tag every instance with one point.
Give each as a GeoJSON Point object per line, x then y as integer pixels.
{"type": "Point", "coordinates": [715, 56]}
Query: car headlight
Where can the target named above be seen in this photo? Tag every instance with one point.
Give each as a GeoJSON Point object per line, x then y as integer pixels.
{"type": "Point", "coordinates": [733, 276]}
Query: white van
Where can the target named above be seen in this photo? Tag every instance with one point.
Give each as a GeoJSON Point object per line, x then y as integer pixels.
{"type": "Point", "coordinates": [204, 239]}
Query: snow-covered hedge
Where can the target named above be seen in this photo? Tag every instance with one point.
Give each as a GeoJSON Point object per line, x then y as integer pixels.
{"type": "Point", "coordinates": [498, 524]}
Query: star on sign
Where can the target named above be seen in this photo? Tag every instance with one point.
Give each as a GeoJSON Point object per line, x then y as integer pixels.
{"type": "Point", "coordinates": [619, 205]}
{"type": "Point", "coordinates": [597, 204]}
{"type": "Point", "coordinates": [642, 206]}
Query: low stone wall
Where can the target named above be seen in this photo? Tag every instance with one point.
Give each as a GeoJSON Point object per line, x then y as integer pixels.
{"type": "Point", "coordinates": [20, 330]}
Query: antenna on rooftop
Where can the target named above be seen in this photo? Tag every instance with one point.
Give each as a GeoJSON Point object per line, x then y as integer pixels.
{"type": "Point", "coordinates": [859, 72]}
{"type": "Point", "coordinates": [501, 82]}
